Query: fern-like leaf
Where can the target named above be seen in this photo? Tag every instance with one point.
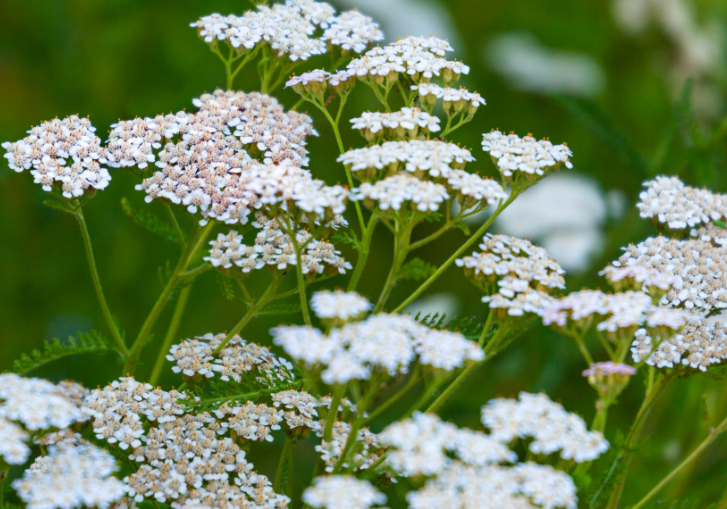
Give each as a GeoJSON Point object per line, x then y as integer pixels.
{"type": "Point", "coordinates": [150, 222]}
{"type": "Point", "coordinates": [346, 237]}
{"type": "Point", "coordinates": [250, 388]}
{"type": "Point", "coordinates": [91, 342]}
{"type": "Point", "coordinates": [57, 205]}
{"type": "Point", "coordinates": [226, 286]}
{"type": "Point", "coordinates": [416, 269]}
{"type": "Point", "coordinates": [280, 309]}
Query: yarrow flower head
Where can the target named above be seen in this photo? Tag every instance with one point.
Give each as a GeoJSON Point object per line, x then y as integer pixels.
{"type": "Point", "coordinates": [70, 476]}
{"type": "Point", "coordinates": [515, 275]}
{"type": "Point", "coordinates": [275, 250]}
{"type": "Point", "coordinates": [31, 405]}
{"type": "Point", "coordinates": [337, 307]}
{"type": "Point", "coordinates": [65, 154]}
{"type": "Point", "coordinates": [523, 160]}
{"type": "Point", "coordinates": [288, 29]}
{"type": "Point", "coordinates": [416, 59]}
{"type": "Point", "coordinates": [336, 491]}
{"type": "Point", "coordinates": [405, 123]}
{"type": "Point", "coordinates": [548, 423]}
{"type": "Point", "coordinates": [669, 202]}
{"type": "Point", "coordinates": [382, 343]}
{"type": "Point", "coordinates": [636, 277]}
{"type": "Point", "coordinates": [454, 100]}
{"type": "Point", "coordinates": [314, 82]}
{"type": "Point", "coordinates": [402, 195]}
{"type": "Point", "coordinates": [235, 360]}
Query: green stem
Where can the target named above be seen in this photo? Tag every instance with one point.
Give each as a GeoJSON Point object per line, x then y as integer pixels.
{"type": "Point", "coordinates": [196, 272]}
{"type": "Point", "coordinates": [357, 423]}
{"type": "Point", "coordinates": [115, 334]}
{"type": "Point", "coordinates": [425, 396]}
{"type": "Point", "coordinates": [432, 237]}
{"type": "Point", "coordinates": [632, 438]}
{"type": "Point", "coordinates": [458, 253]}
{"type": "Point", "coordinates": [363, 252]}
{"type": "Point", "coordinates": [333, 411]}
{"type": "Point", "coordinates": [264, 299]}
{"type": "Point", "coordinates": [402, 237]}
{"type": "Point", "coordinates": [413, 379]}
{"type": "Point", "coordinates": [286, 457]}
{"type": "Point", "coordinates": [196, 239]}
{"type": "Point", "coordinates": [301, 281]}
{"type": "Point", "coordinates": [713, 434]}
{"type": "Point", "coordinates": [453, 386]}
{"type": "Point", "coordinates": [171, 333]}
{"type": "Point", "coordinates": [337, 133]}
{"type": "Point", "coordinates": [173, 218]}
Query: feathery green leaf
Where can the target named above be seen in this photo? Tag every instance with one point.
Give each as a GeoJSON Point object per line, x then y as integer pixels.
{"type": "Point", "coordinates": [150, 222]}
{"type": "Point", "coordinates": [90, 342]}
{"type": "Point", "coordinates": [416, 269]}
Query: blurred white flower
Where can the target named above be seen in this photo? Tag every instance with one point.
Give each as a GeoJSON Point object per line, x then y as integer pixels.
{"type": "Point", "coordinates": [565, 213]}
{"type": "Point", "coordinates": [399, 18]}
{"type": "Point", "coordinates": [696, 49]}
{"type": "Point", "coordinates": [530, 66]}
{"type": "Point", "coordinates": [442, 303]}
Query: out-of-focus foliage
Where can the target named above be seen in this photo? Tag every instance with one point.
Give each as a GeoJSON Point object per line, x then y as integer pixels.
{"type": "Point", "coordinates": [118, 59]}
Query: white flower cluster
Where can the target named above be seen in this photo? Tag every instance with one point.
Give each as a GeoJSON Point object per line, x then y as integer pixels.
{"type": "Point", "coordinates": [619, 313]}
{"type": "Point", "coordinates": [339, 306]}
{"type": "Point", "coordinates": [416, 57]}
{"type": "Point", "coordinates": [548, 423]}
{"type": "Point", "coordinates": [401, 192]}
{"type": "Point", "coordinates": [336, 491]}
{"type": "Point", "coordinates": [288, 29]}
{"type": "Point", "coordinates": [465, 466]}
{"type": "Point", "coordinates": [512, 154]}
{"type": "Point", "coordinates": [70, 476]}
{"type": "Point", "coordinates": [274, 249]}
{"type": "Point", "coordinates": [49, 146]}
{"type": "Point", "coordinates": [698, 346]}
{"type": "Point", "coordinates": [132, 142]}
{"type": "Point", "coordinates": [300, 409]}
{"type": "Point", "coordinates": [668, 201]}
{"type": "Point", "coordinates": [454, 100]}
{"type": "Point", "coordinates": [368, 449]}
{"type": "Point", "coordinates": [421, 446]}
{"type": "Point", "coordinates": [407, 122]}
{"type": "Point", "coordinates": [638, 277]}
{"type": "Point", "coordinates": [711, 233]}
{"type": "Point", "coordinates": [699, 267]}
{"type": "Point", "coordinates": [193, 357]}
{"type": "Point", "coordinates": [523, 486]}
{"type": "Point", "coordinates": [514, 274]}
{"type": "Point", "coordinates": [184, 458]}
{"type": "Point", "coordinates": [432, 157]}
{"type": "Point", "coordinates": [33, 405]}
{"type": "Point", "coordinates": [382, 342]}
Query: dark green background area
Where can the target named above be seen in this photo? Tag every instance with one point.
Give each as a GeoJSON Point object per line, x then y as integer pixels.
{"type": "Point", "coordinates": [117, 59]}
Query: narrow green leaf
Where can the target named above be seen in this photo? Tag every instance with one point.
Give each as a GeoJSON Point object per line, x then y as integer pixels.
{"type": "Point", "coordinates": [280, 309]}
{"type": "Point", "coordinates": [57, 205]}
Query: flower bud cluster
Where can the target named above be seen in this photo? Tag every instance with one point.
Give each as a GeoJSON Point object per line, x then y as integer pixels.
{"type": "Point", "coordinates": [637, 277]}
{"type": "Point", "coordinates": [415, 59]}
{"type": "Point", "coordinates": [405, 123]}
{"type": "Point", "coordinates": [32, 405]}
{"type": "Point", "coordinates": [382, 343]}
{"type": "Point", "coordinates": [524, 158]}
{"type": "Point", "coordinates": [515, 275]}
{"type": "Point", "coordinates": [133, 142]}
{"type": "Point", "coordinates": [669, 202]}
{"type": "Point", "coordinates": [299, 410]}
{"type": "Point", "coordinates": [698, 345]}
{"type": "Point", "coordinates": [193, 358]}
{"type": "Point", "coordinates": [288, 29]}
{"type": "Point", "coordinates": [47, 150]}
{"type": "Point", "coordinates": [609, 378]}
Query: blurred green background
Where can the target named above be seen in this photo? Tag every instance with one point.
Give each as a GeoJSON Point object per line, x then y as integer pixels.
{"type": "Point", "coordinates": [621, 82]}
